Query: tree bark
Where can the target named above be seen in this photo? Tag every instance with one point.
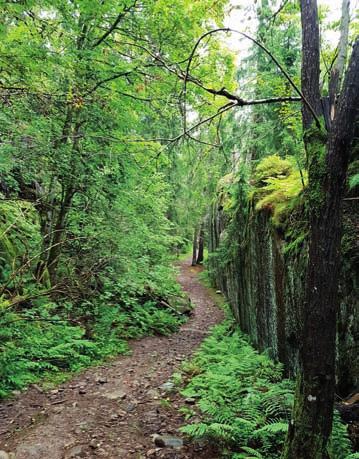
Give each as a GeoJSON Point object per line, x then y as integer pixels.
{"type": "Point", "coordinates": [199, 260]}
{"type": "Point", "coordinates": [46, 206]}
{"type": "Point", "coordinates": [57, 239]}
{"type": "Point", "coordinates": [194, 247]}
{"type": "Point", "coordinates": [310, 61]}
{"type": "Point", "coordinates": [311, 426]}
{"type": "Point", "coordinates": [59, 230]}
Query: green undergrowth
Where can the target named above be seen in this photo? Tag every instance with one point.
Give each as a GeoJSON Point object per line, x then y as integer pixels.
{"type": "Point", "coordinates": [43, 343]}
{"type": "Point", "coordinates": [243, 403]}
{"type": "Point", "coordinates": [48, 332]}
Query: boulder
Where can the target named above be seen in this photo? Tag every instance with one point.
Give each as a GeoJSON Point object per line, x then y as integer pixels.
{"type": "Point", "coordinates": [181, 304]}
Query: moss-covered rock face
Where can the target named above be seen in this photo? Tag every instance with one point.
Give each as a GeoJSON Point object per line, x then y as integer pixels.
{"type": "Point", "coordinates": [278, 186]}
{"type": "Point", "coordinates": [260, 262]}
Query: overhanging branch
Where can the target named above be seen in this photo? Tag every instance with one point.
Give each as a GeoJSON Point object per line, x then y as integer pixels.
{"type": "Point", "coordinates": [223, 91]}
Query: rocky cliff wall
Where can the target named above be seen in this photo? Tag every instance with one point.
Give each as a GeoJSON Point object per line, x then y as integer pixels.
{"type": "Point", "coordinates": [261, 271]}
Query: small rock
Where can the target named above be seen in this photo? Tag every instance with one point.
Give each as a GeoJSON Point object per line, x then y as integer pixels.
{"type": "Point", "coordinates": [54, 392]}
{"type": "Point", "coordinates": [57, 409]}
{"type": "Point", "coordinates": [167, 441]}
{"type": "Point", "coordinates": [82, 392]}
{"type": "Point", "coordinates": [218, 292]}
{"type": "Point", "coordinates": [153, 394]}
{"type": "Point", "coordinates": [74, 452]}
{"type": "Point", "coordinates": [38, 388]}
{"type": "Point", "coordinates": [130, 407]}
{"type": "Point", "coordinates": [34, 450]}
{"type": "Point", "coordinates": [101, 380]}
{"type": "Point", "coordinates": [158, 440]}
{"type": "Point", "coordinates": [190, 401]}
{"type": "Point", "coordinates": [167, 386]}
{"type": "Point", "coordinates": [94, 444]}
{"type": "Point", "coordinates": [118, 394]}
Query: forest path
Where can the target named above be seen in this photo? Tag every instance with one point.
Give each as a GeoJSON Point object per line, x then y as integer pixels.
{"type": "Point", "coordinates": [112, 411]}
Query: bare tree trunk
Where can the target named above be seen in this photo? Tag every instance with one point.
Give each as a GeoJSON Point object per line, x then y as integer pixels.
{"type": "Point", "coordinates": [199, 260]}
{"type": "Point", "coordinates": [311, 426]}
{"type": "Point", "coordinates": [194, 246]}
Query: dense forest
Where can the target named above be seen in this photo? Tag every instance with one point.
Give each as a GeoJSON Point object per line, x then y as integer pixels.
{"type": "Point", "coordinates": [167, 167]}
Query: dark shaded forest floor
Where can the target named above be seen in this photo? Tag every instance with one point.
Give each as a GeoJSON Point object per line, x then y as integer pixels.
{"type": "Point", "coordinates": [113, 411]}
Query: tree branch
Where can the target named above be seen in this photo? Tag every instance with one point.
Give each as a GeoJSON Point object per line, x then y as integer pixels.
{"type": "Point", "coordinates": [337, 70]}
{"type": "Point", "coordinates": [106, 80]}
{"type": "Point", "coordinates": [223, 91]}
{"type": "Point", "coordinates": [115, 24]}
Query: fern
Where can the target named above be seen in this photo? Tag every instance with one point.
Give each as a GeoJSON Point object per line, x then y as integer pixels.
{"type": "Point", "coordinates": [248, 453]}
{"type": "Point", "coordinates": [38, 342]}
{"type": "Point", "coordinates": [353, 181]}
{"type": "Point", "coordinates": [245, 403]}
{"type": "Point", "coordinates": [279, 184]}
{"type": "Point", "coordinates": [340, 444]}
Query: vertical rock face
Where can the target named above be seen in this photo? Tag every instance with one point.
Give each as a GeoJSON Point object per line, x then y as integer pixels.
{"type": "Point", "coordinates": [263, 283]}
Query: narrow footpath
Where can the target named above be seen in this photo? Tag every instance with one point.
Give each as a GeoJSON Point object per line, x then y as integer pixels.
{"type": "Point", "coordinates": [114, 410]}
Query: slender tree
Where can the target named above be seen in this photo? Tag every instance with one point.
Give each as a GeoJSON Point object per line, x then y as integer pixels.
{"type": "Point", "coordinates": [200, 254]}
{"type": "Point", "coordinates": [194, 246]}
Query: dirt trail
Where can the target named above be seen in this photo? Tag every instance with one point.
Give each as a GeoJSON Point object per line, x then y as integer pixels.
{"type": "Point", "coordinates": [113, 410]}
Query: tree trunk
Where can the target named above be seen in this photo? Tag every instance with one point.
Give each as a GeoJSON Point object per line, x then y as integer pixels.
{"type": "Point", "coordinates": [55, 248]}
{"type": "Point", "coordinates": [199, 260]}
{"type": "Point", "coordinates": [310, 61]}
{"type": "Point", "coordinates": [57, 239]}
{"type": "Point", "coordinates": [311, 426]}
{"type": "Point", "coordinates": [46, 206]}
{"type": "Point", "coordinates": [194, 247]}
